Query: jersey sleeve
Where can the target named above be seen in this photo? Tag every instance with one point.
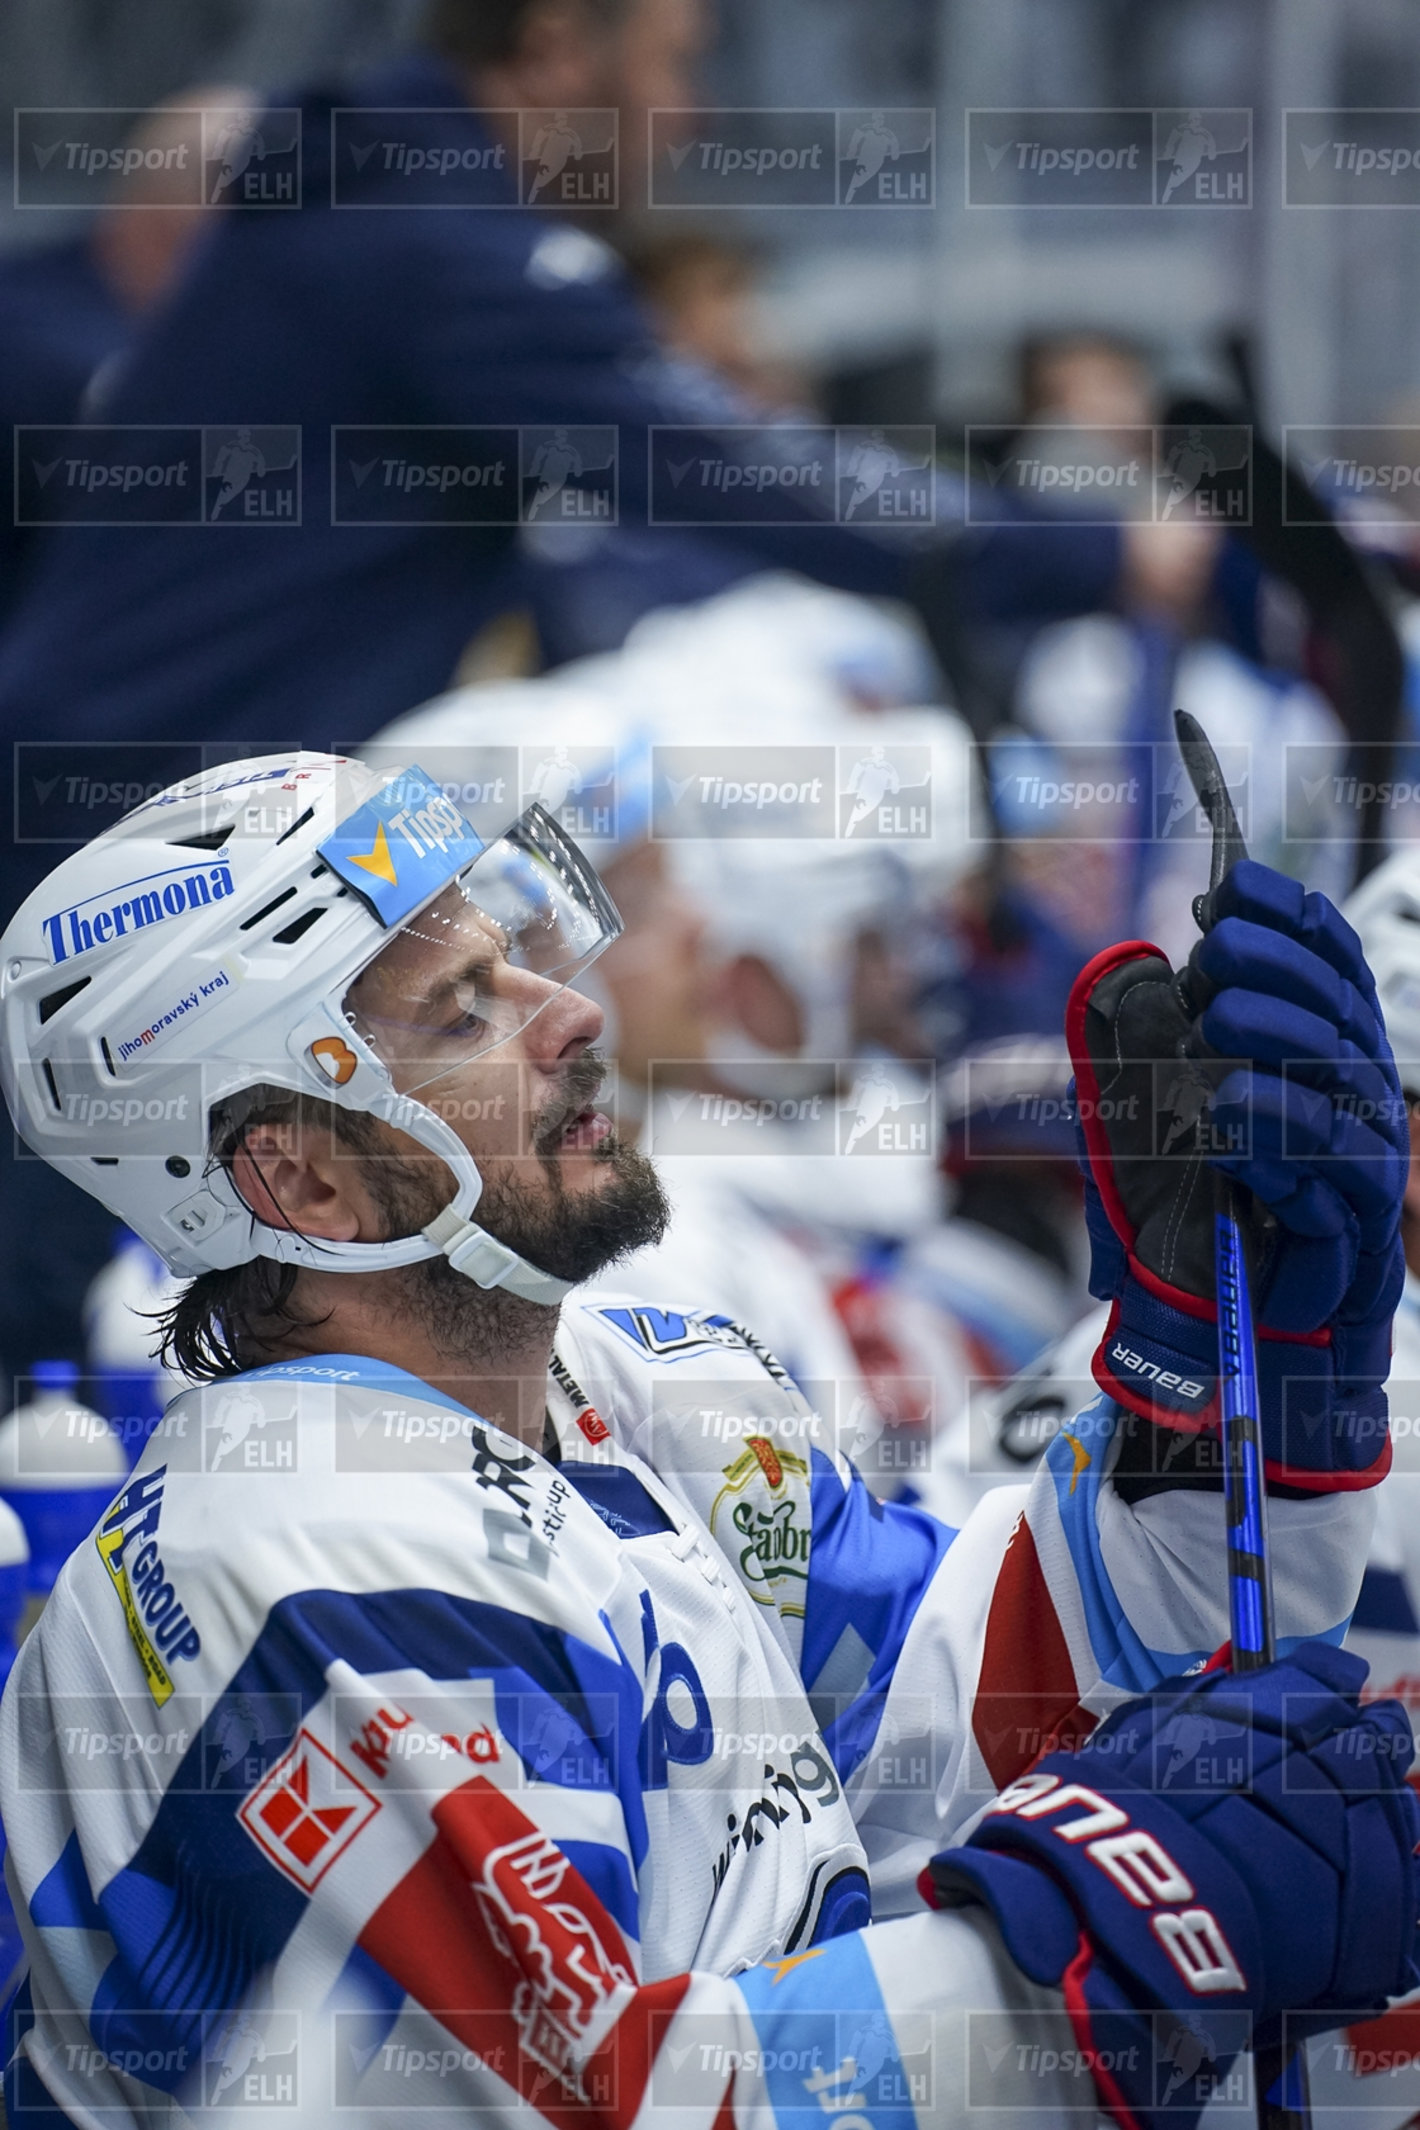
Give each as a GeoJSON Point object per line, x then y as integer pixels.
{"type": "Point", "coordinates": [395, 1866]}
{"type": "Point", "coordinates": [940, 1663]}
{"type": "Point", "coordinates": [1056, 1602]}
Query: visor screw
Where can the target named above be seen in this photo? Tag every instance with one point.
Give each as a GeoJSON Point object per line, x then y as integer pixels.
{"type": "Point", "coordinates": [177, 1166]}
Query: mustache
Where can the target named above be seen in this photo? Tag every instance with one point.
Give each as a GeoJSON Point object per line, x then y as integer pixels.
{"type": "Point", "coordinates": [579, 1084]}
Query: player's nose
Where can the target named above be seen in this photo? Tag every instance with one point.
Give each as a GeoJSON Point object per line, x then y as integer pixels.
{"type": "Point", "coordinates": [563, 1028]}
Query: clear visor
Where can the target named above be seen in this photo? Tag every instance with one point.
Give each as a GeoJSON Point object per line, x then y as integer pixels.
{"type": "Point", "coordinates": [476, 964]}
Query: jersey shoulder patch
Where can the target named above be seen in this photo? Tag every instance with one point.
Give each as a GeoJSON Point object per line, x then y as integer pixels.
{"type": "Point", "coordinates": [669, 1336]}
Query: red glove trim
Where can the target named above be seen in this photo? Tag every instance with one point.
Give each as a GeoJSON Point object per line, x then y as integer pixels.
{"type": "Point", "coordinates": [1096, 1138]}
{"type": "Point", "coordinates": [1209, 1421]}
{"type": "Point", "coordinates": [1207, 1312]}
{"type": "Point", "coordinates": [1287, 1475]}
{"type": "Point", "coordinates": [1072, 1982]}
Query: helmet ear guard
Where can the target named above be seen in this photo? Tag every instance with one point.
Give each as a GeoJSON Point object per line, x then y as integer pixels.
{"type": "Point", "coordinates": [453, 1233]}
{"type": "Point", "coordinates": [1385, 912]}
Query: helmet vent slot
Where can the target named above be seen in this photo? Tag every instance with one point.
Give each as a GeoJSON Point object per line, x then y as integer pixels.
{"type": "Point", "coordinates": [212, 841]}
{"type": "Point", "coordinates": [51, 1004]}
{"type": "Point", "coordinates": [51, 1084]}
{"type": "Point", "coordinates": [267, 908]}
{"type": "Point", "coordinates": [108, 1057]}
{"type": "Point", "coordinates": [299, 822]}
{"type": "Point", "coordinates": [298, 927]}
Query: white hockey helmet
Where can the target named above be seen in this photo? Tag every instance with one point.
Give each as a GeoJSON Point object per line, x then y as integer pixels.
{"type": "Point", "coordinates": [210, 943]}
{"type": "Point", "coordinates": [1385, 910]}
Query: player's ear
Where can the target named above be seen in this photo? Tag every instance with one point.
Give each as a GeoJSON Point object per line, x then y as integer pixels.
{"type": "Point", "coordinates": [298, 1176]}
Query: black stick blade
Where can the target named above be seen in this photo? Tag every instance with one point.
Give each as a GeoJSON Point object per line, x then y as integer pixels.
{"type": "Point", "coordinates": [1209, 783]}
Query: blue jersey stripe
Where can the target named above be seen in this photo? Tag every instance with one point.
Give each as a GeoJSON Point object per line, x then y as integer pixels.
{"type": "Point", "coordinates": [63, 1898]}
{"type": "Point", "coordinates": [618, 1498]}
{"type": "Point", "coordinates": [198, 1911]}
{"type": "Point", "coordinates": [1124, 1659]}
{"type": "Point", "coordinates": [828, 2042]}
{"type": "Point", "coordinates": [357, 1368]}
{"type": "Point", "coordinates": [869, 1565]}
{"type": "Point", "coordinates": [608, 1874]}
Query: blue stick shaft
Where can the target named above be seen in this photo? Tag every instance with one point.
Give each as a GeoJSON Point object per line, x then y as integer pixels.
{"type": "Point", "coordinates": [1281, 2074]}
{"type": "Point", "coordinates": [1249, 1584]}
{"type": "Point", "coordinates": [1282, 2098]}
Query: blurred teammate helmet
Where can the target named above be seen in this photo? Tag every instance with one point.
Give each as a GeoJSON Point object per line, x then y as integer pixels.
{"type": "Point", "coordinates": [1385, 909]}
{"type": "Point", "coordinates": [300, 922]}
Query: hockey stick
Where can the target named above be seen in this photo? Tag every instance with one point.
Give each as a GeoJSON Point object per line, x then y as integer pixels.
{"type": "Point", "coordinates": [1360, 663]}
{"type": "Point", "coordinates": [1282, 2096]}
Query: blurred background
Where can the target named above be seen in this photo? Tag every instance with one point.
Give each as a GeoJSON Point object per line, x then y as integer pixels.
{"type": "Point", "coordinates": [919, 317]}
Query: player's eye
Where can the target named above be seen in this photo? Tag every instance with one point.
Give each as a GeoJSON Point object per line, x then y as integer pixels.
{"type": "Point", "coordinates": [469, 1012]}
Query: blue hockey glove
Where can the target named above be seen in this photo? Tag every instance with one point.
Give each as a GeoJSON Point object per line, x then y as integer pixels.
{"type": "Point", "coordinates": [1224, 1852]}
{"type": "Point", "coordinates": [1265, 1059]}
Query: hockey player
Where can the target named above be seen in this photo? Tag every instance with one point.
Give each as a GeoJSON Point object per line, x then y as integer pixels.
{"type": "Point", "coordinates": [1386, 912]}
{"type": "Point", "coordinates": [514, 1714]}
{"type": "Point", "coordinates": [750, 972]}
{"type": "Point", "coordinates": [1373, 2069]}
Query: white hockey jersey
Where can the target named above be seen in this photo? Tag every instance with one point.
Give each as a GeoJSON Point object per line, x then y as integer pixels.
{"type": "Point", "coordinates": [1368, 2074]}
{"type": "Point", "coordinates": [367, 1761]}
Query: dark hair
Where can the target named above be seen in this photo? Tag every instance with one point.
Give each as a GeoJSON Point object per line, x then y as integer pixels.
{"type": "Point", "coordinates": [226, 1322]}
{"type": "Point", "coordinates": [482, 32]}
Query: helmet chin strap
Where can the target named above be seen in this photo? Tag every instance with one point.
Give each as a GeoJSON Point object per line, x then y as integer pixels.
{"type": "Point", "coordinates": [453, 1234]}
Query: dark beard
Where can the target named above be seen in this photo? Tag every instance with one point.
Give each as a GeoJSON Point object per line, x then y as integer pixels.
{"type": "Point", "coordinates": [573, 1238]}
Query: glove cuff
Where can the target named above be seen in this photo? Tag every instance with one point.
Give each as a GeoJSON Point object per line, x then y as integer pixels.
{"type": "Point", "coordinates": [1037, 1924]}
{"type": "Point", "coordinates": [1087, 1925]}
{"type": "Point", "coordinates": [1322, 1399]}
